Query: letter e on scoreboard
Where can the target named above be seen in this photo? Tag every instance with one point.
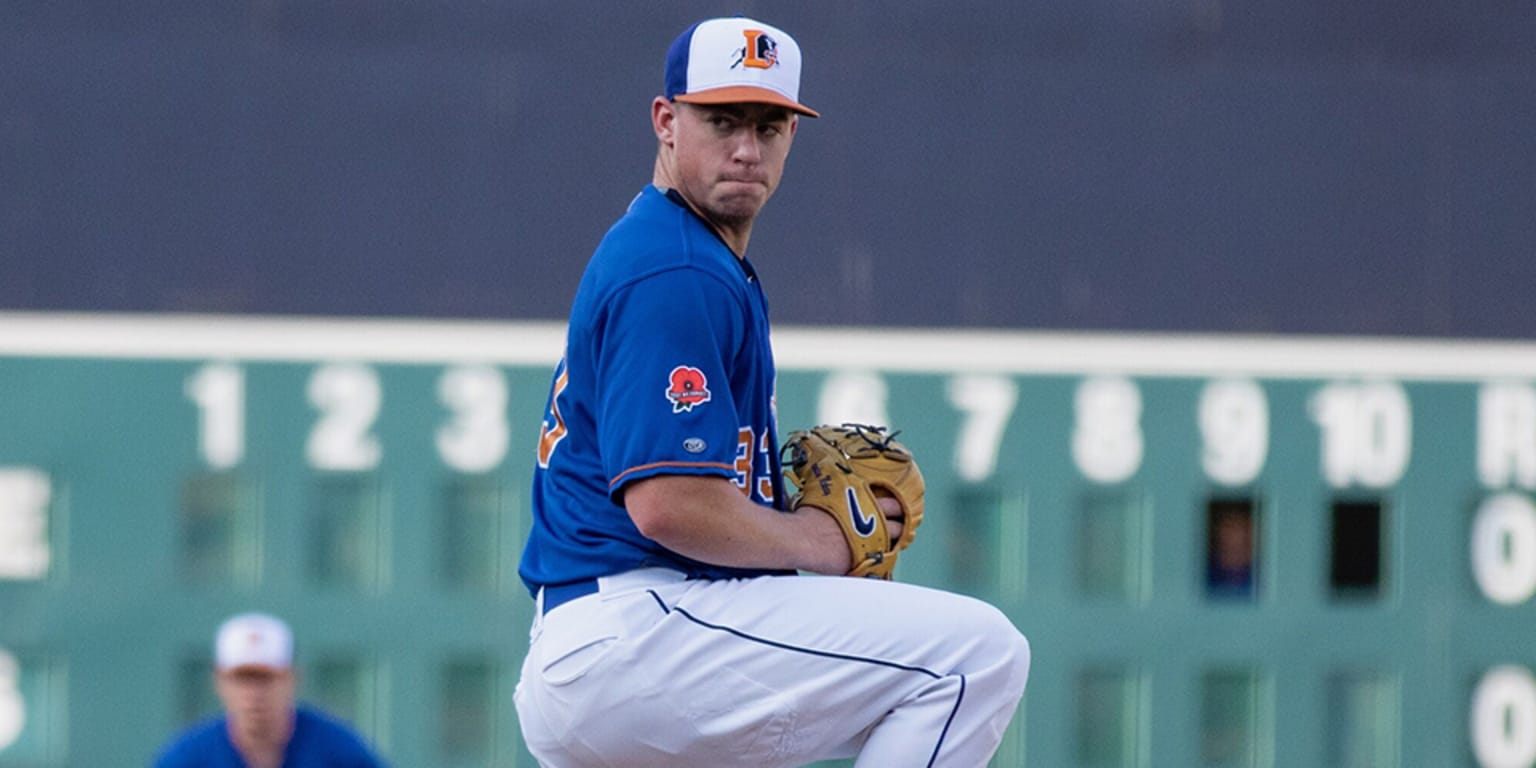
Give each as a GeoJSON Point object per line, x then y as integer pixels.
{"type": "Point", "coordinates": [24, 496]}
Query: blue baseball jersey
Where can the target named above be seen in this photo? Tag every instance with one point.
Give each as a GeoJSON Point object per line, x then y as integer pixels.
{"type": "Point", "coordinates": [667, 370]}
{"type": "Point", "coordinates": [317, 742]}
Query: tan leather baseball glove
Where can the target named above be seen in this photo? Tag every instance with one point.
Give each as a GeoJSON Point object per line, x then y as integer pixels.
{"type": "Point", "coordinates": [841, 470]}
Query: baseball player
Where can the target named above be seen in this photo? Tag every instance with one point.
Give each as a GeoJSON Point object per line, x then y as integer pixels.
{"type": "Point", "coordinates": [673, 626]}
{"type": "Point", "coordinates": [263, 726]}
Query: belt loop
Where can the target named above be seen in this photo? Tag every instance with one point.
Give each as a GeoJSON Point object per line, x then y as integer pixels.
{"type": "Point", "coordinates": [538, 616]}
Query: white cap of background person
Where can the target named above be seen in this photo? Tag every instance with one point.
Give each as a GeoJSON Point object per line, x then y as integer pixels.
{"type": "Point", "coordinates": [254, 641]}
{"type": "Point", "coordinates": [733, 60]}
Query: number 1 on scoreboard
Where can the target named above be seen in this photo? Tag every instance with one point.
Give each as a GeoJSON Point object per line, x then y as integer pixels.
{"type": "Point", "coordinates": [218, 390]}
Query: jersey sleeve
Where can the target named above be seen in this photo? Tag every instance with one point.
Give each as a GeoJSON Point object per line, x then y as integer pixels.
{"type": "Point", "coordinates": [168, 758]}
{"type": "Point", "coordinates": [200, 746]}
{"type": "Point", "coordinates": [665, 403]}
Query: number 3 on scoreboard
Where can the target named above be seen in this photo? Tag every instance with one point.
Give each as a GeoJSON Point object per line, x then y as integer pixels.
{"type": "Point", "coordinates": [475, 437]}
{"type": "Point", "coordinates": [13, 711]}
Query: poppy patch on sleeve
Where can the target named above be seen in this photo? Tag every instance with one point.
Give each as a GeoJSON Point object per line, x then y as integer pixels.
{"type": "Point", "coordinates": [687, 387]}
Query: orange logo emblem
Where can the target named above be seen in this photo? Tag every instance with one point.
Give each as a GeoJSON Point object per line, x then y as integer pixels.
{"type": "Point", "coordinates": [760, 51]}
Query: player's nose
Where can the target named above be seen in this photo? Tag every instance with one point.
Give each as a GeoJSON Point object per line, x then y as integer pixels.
{"type": "Point", "coordinates": [748, 148]}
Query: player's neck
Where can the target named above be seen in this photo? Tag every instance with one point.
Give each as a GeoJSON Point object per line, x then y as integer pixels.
{"type": "Point", "coordinates": [734, 235]}
{"type": "Point", "coordinates": [261, 750]}
{"type": "Point", "coordinates": [261, 755]}
{"type": "Point", "coordinates": [735, 238]}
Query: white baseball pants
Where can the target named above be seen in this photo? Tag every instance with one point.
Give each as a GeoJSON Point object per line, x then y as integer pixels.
{"type": "Point", "coordinates": [657, 671]}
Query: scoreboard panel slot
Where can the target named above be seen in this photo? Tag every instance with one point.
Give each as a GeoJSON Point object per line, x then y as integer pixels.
{"type": "Point", "coordinates": [1111, 717]}
{"type": "Point", "coordinates": [348, 685]}
{"type": "Point", "coordinates": [345, 546]}
{"type": "Point", "coordinates": [973, 545]}
{"type": "Point", "coordinates": [1356, 548]}
{"type": "Point", "coordinates": [1232, 551]}
{"type": "Point", "coordinates": [469, 555]}
{"type": "Point", "coordinates": [1362, 717]}
{"type": "Point", "coordinates": [1235, 723]}
{"type": "Point", "coordinates": [220, 531]}
{"type": "Point", "coordinates": [468, 694]}
{"type": "Point", "coordinates": [1112, 538]}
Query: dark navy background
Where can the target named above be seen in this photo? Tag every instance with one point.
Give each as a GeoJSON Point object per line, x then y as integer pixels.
{"type": "Point", "coordinates": [1300, 166]}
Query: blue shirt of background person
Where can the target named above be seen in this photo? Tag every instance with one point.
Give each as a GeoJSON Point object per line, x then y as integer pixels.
{"type": "Point", "coordinates": [263, 726]}
{"type": "Point", "coordinates": [317, 741]}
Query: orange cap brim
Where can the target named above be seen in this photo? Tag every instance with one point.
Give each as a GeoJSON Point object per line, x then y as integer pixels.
{"type": "Point", "coordinates": [744, 94]}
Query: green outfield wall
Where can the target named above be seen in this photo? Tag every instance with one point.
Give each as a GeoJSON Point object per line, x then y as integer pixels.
{"type": "Point", "coordinates": [367, 480]}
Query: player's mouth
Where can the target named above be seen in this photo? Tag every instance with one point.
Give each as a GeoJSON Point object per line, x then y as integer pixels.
{"type": "Point", "coordinates": [743, 190]}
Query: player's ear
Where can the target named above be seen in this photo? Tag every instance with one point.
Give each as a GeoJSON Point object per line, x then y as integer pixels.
{"type": "Point", "coordinates": [664, 119]}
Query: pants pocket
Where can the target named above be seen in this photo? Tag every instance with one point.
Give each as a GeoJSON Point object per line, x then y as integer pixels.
{"type": "Point", "coordinates": [563, 666]}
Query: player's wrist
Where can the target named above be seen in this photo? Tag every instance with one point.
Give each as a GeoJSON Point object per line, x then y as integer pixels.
{"type": "Point", "coordinates": [826, 551]}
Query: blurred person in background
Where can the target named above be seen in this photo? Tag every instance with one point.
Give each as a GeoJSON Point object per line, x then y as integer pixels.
{"type": "Point", "coordinates": [1230, 547]}
{"type": "Point", "coordinates": [263, 725]}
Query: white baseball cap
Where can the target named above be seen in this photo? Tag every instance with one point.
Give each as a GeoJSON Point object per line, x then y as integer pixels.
{"type": "Point", "coordinates": [737, 59]}
{"type": "Point", "coordinates": [254, 640]}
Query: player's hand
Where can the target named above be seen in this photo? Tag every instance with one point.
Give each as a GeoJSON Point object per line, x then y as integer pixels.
{"type": "Point", "coordinates": [838, 559]}
{"type": "Point", "coordinates": [891, 509]}
{"type": "Point", "coordinates": [848, 469]}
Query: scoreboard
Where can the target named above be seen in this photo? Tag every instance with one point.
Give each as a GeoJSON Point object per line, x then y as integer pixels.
{"type": "Point", "coordinates": [1225, 550]}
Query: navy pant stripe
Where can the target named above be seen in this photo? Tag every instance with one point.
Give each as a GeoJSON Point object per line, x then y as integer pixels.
{"type": "Point", "coordinates": [828, 654]}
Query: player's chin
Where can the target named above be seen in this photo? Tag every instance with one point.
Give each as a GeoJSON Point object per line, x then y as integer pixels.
{"type": "Point", "coordinates": [743, 205]}
{"type": "Point", "coordinates": [261, 723]}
